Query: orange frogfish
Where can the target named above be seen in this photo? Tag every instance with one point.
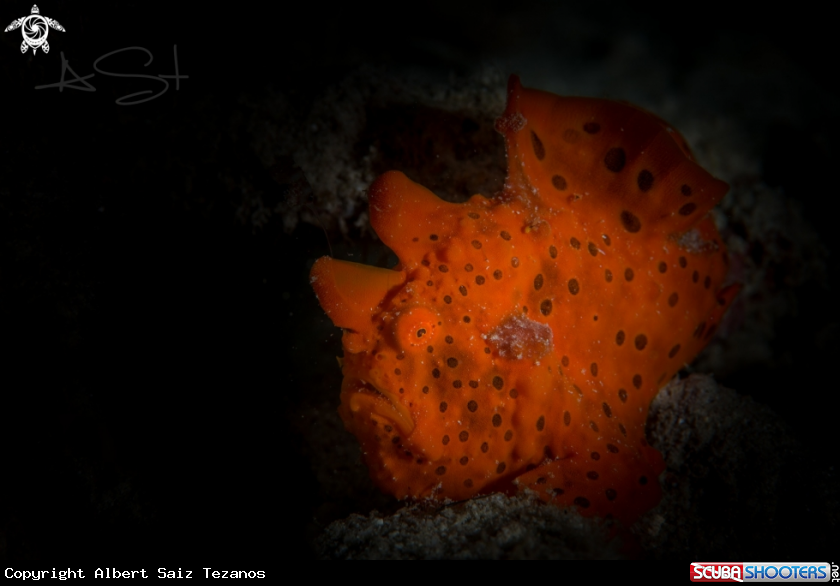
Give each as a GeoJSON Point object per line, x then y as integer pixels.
{"type": "Point", "coordinates": [520, 339]}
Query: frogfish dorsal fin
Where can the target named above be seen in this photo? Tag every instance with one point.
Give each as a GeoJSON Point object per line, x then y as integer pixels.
{"type": "Point", "coordinates": [606, 160]}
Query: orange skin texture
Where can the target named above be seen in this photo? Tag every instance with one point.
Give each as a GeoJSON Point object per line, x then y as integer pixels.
{"type": "Point", "coordinates": [520, 339]}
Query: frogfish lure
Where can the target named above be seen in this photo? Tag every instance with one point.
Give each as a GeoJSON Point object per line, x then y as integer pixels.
{"type": "Point", "coordinates": [520, 338]}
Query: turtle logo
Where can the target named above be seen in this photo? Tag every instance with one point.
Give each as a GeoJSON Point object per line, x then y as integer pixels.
{"type": "Point", "coordinates": [35, 28]}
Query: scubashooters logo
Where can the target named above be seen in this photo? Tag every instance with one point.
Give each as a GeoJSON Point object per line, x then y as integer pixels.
{"type": "Point", "coordinates": [35, 29]}
{"type": "Point", "coordinates": [761, 572]}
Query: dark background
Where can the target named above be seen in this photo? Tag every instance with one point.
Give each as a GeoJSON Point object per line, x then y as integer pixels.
{"type": "Point", "coordinates": [148, 364]}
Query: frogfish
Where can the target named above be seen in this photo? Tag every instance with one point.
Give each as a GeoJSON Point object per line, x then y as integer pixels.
{"type": "Point", "coordinates": [518, 342]}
